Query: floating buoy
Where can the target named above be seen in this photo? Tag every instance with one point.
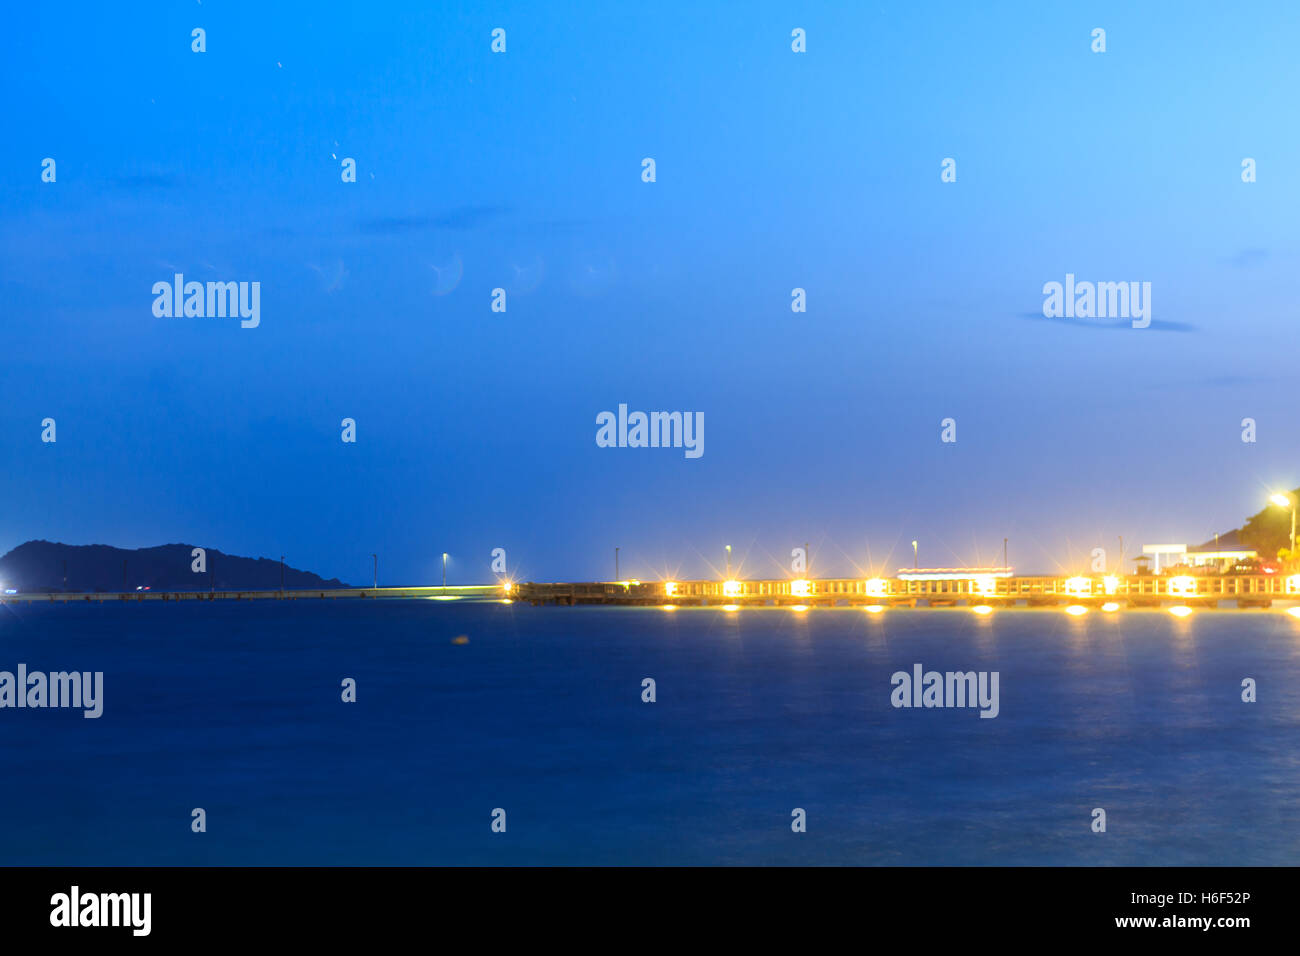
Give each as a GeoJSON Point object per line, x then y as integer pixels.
{"type": "Point", "coordinates": [462, 639]}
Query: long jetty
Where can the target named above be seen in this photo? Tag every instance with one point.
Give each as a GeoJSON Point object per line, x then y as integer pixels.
{"type": "Point", "coordinates": [946, 588]}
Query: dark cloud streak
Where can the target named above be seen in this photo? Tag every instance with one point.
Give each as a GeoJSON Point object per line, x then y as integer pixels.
{"type": "Point", "coordinates": [459, 219]}
{"type": "Point", "coordinates": [1107, 325]}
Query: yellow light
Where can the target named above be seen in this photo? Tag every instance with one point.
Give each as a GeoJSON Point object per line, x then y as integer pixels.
{"type": "Point", "coordinates": [731, 588]}
{"type": "Point", "coordinates": [1076, 610]}
{"type": "Point", "coordinates": [506, 586]}
{"type": "Point", "coordinates": [1110, 607]}
{"type": "Point", "coordinates": [799, 607]}
{"type": "Point", "coordinates": [982, 609]}
{"type": "Point", "coordinates": [670, 588]}
{"type": "Point", "coordinates": [801, 588]}
{"type": "Point", "coordinates": [877, 587]}
{"type": "Point", "coordinates": [1293, 584]}
{"type": "Point", "coordinates": [1180, 611]}
{"type": "Point", "coordinates": [877, 609]}
{"type": "Point", "coordinates": [731, 607]}
{"type": "Point", "coordinates": [1282, 501]}
{"type": "Point", "coordinates": [1182, 586]}
{"type": "Point", "coordinates": [985, 584]}
{"type": "Point", "coordinates": [1079, 587]}
{"type": "Point", "coordinates": [507, 601]}
{"type": "Point", "coordinates": [1111, 584]}
{"type": "Point", "coordinates": [670, 607]}
{"type": "Point", "coordinates": [1293, 611]}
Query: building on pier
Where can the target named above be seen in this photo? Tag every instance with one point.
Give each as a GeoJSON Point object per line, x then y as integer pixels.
{"type": "Point", "coordinates": [1221, 553]}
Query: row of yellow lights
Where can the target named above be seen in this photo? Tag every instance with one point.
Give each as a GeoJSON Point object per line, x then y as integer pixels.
{"type": "Point", "coordinates": [1180, 586]}
{"type": "Point", "coordinates": [1184, 585]}
{"type": "Point", "coordinates": [876, 587]}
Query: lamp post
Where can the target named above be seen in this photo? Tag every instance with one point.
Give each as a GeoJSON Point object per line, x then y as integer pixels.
{"type": "Point", "coordinates": [728, 562]}
{"type": "Point", "coordinates": [444, 569]}
{"type": "Point", "coordinates": [1004, 553]}
{"type": "Point", "coordinates": [616, 577]}
{"type": "Point", "coordinates": [1286, 500]}
{"type": "Point", "coordinates": [376, 557]}
{"type": "Point", "coordinates": [916, 560]}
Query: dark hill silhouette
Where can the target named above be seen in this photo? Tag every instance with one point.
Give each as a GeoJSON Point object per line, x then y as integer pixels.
{"type": "Point", "coordinates": [39, 566]}
{"type": "Point", "coordinates": [1269, 530]}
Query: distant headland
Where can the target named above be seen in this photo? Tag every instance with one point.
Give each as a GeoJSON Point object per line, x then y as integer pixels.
{"type": "Point", "coordinates": [51, 566]}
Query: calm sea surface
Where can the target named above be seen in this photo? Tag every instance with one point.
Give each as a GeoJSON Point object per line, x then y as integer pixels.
{"type": "Point", "coordinates": [236, 708]}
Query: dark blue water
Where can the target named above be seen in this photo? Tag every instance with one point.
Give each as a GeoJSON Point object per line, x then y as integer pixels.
{"type": "Point", "coordinates": [236, 708]}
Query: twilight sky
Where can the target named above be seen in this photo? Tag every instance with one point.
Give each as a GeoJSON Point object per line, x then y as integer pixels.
{"type": "Point", "coordinates": [522, 170]}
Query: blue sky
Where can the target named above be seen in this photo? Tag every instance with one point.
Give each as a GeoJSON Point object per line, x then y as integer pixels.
{"type": "Point", "coordinates": [522, 170]}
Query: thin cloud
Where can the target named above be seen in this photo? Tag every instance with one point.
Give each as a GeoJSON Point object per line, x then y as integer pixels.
{"type": "Point", "coordinates": [1247, 258]}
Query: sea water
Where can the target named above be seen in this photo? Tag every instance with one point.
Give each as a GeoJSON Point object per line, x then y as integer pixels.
{"type": "Point", "coordinates": [237, 709]}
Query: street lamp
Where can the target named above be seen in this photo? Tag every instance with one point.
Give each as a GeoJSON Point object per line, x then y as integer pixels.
{"type": "Point", "coordinates": [1285, 500]}
{"type": "Point", "coordinates": [444, 569]}
{"type": "Point", "coordinates": [728, 562]}
{"type": "Point", "coordinates": [916, 560]}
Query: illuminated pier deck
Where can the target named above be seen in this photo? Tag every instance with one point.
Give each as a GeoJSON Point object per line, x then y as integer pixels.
{"type": "Point", "coordinates": [939, 588]}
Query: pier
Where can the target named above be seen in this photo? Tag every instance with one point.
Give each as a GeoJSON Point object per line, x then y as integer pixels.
{"type": "Point", "coordinates": [922, 588]}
